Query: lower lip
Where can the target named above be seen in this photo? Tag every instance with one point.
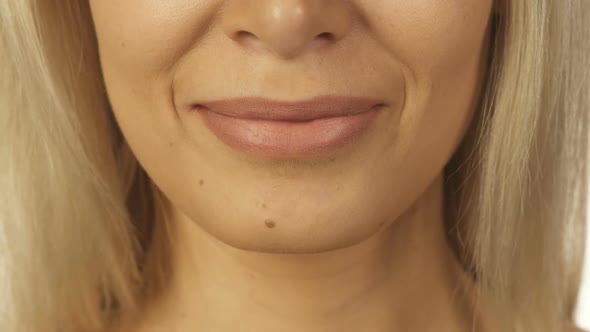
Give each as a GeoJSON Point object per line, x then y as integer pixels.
{"type": "Point", "coordinates": [286, 139]}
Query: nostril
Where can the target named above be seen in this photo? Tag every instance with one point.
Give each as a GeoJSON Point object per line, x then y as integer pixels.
{"type": "Point", "coordinates": [248, 40]}
{"type": "Point", "coordinates": [244, 36]}
{"type": "Point", "coordinates": [323, 39]}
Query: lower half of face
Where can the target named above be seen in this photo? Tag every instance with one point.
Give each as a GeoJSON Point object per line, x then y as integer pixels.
{"type": "Point", "coordinates": [403, 77]}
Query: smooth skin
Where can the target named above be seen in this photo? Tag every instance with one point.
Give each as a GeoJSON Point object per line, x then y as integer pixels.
{"type": "Point", "coordinates": [358, 242]}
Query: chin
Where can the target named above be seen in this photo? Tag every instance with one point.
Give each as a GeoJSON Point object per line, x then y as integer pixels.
{"type": "Point", "coordinates": [292, 233]}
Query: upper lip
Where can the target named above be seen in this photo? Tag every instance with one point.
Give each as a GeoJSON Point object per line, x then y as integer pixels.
{"type": "Point", "coordinates": [268, 109]}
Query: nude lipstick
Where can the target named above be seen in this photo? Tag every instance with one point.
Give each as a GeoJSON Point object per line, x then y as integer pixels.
{"type": "Point", "coordinates": [311, 128]}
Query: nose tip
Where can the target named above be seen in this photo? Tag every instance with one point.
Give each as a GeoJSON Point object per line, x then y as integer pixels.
{"type": "Point", "coordinates": [286, 27]}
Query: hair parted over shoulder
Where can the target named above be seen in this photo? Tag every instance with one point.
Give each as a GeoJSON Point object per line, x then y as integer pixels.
{"type": "Point", "coordinates": [83, 235]}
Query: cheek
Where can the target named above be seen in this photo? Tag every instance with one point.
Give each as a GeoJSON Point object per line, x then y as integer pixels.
{"type": "Point", "coordinates": [433, 39]}
{"type": "Point", "coordinates": [442, 51]}
{"type": "Point", "coordinates": [139, 36]}
{"type": "Point", "coordinates": [139, 42]}
{"type": "Point", "coordinates": [441, 46]}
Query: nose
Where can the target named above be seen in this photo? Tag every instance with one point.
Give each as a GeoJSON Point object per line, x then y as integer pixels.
{"type": "Point", "coordinates": [287, 27]}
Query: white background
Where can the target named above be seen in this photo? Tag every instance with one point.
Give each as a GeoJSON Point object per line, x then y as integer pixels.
{"type": "Point", "coordinates": [583, 312]}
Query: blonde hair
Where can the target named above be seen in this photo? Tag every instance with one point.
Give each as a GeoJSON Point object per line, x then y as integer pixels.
{"type": "Point", "coordinates": [82, 231]}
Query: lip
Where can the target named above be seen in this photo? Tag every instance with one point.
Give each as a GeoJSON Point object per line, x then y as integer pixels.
{"type": "Point", "coordinates": [299, 130]}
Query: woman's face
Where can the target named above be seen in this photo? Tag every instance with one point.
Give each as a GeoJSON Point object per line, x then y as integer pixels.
{"type": "Point", "coordinates": [287, 186]}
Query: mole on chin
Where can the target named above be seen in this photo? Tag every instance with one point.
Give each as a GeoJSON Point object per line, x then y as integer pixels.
{"type": "Point", "coordinates": [269, 223]}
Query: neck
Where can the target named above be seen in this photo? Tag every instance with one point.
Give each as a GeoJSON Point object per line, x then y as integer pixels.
{"type": "Point", "coordinates": [388, 282]}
